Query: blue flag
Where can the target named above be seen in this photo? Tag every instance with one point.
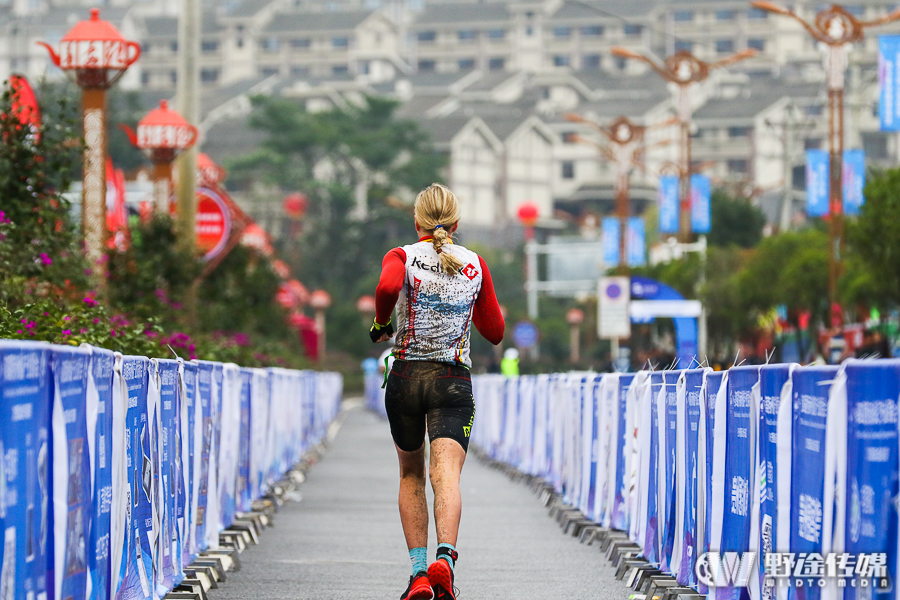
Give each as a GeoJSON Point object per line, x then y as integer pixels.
{"type": "Point", "coordinates": [668, 204]}
{"type": "Point", "coordinates": [610, 227]}
{"type": "Point", "coordinates": [701, 191]}
{"type": "Point", "coordinates": [853, 181]}
{"type": "Point", "coordinates": [818, 184]}
{"type": "Point", "coordinates": [889, 79]}
{"type": "Point", "coordinates": [636, 242]}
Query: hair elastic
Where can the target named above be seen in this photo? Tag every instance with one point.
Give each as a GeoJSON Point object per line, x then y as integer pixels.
{"type": "Point", "coordinates": [436, 227]}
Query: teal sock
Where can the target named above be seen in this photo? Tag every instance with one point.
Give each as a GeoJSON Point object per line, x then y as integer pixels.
{"type": "Point", "coordinates": [419, 558]}
{"type": "Point", "coordinates": [446, 556]}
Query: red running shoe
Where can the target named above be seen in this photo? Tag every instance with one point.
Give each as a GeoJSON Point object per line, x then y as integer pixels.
{"type": "Point", "coordinates": [419, 588]}
{"type": "Point", "coordinates": [441, 577]}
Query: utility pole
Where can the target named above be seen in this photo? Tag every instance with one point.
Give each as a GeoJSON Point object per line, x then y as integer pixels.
{"type": "Point", "coordinates": [788, 131]}
{"type": "Point", "coordinates": [836, 30]}
{"type": "Point", "coordinates": [683, 69]}
{"type": "Point", "coordinates": [189, 106]}
{"type": "Point", "coordinates": [189, 29]}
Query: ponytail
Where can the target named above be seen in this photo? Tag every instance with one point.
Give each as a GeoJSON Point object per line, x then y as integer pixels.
{"type": "Point", "coordinates": [436, 211]}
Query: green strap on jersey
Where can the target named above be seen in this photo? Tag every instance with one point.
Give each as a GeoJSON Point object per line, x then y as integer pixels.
{"type": "Point", "coordinates": [386, 359]}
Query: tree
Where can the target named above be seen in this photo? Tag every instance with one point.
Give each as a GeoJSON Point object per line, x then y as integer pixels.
{"type": "Point", "coordinates": [872, 276]}
{"type": "Point", "coordinates": [735, 221]}
{"type": "Point", "coordinates": [327, 155]}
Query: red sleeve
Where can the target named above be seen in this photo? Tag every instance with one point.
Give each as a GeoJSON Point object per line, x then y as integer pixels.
{"type": "Point", "coordinates": [393, 269]}
{"type": "Point", "coordinates": [487, 316]}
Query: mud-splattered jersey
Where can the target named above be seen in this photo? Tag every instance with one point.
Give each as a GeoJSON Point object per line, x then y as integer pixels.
{"type": "Point", "coordinates": [434, 312]}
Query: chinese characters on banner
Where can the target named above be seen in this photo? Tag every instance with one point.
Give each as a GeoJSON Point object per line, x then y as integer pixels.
{"type": "Point", "coordinates": [668, 204]}
{"type": "Point", "coordinates": [701, 217]}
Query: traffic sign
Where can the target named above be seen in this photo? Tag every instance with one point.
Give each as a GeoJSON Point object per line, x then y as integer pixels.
{"type": "Point", "coordinates": [614, 296]}
{"type": "Point", "coordinates": [213, 223]}
{"type": "Point", "coordinates": [525, 334]}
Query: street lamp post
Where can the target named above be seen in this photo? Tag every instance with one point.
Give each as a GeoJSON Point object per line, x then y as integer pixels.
{"type": "Point", "coordinates": [627, 145]}
{"type": "Point", "coordinates": [528, 216]}
{"type": "Point", "coordinates": [162, 134]}
{"type": "Point", "coordinates": [94, 55]}
{"type": "Point", "coordinates": [683, 69]}
{"type": "Point", "coordinates": [320, 301]}
{"type": "Point", "coordinates": [836, 30]}
{"type": "Point", "coordinates": [575, 317]}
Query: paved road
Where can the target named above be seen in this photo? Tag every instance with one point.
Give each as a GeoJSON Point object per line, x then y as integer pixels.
{"type": "Point", "coordinates": [343, 540]}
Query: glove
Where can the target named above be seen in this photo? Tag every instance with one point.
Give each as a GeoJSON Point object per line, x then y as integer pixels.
{"type": "Point", "coordinates": [379, 330]}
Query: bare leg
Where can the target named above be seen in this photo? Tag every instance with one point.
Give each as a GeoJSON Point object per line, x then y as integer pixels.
{"type": "Point", "coordinates": [413, 506]}
{"type": "Point", "coordinates": [447, 458]}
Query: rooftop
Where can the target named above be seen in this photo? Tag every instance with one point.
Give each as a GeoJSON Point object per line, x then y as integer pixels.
{"type": "Point", "coordinates": [316, 22]}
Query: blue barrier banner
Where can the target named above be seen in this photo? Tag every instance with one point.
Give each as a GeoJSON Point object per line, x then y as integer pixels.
{"type": "Point", "coordinates": [809, 410]}
{"type": "Point", "coordinates": [652, 537]}
{"type": "Point", "coordinates": [610, 230]}
{"type": "Point", "coordinates": [100, 418]}
{"type": "Point", "coordinates": [873, 388]}
{"type": "Point", "coordinates": [772, 381]}
{"type": "Point", "coordinates": [191, 439]}
{"type": "Point", "coordinates": [688, 482]}
{"type": "Point", "coordinates": [853, 181]}
{"type": "Point", "coordinates": [636, 243]}
{"type": "Point", "coordinates": [668, 204]}
{"type": "Point", "coordinates": [706, 444]}
{"type": "Point", "coordinates": [24, 472]}
{"type": "Point", "coordinates": [739, 428]}
{"type": "Point", "coordinates": [668, 444]}
{"type": "Point", "coordinates": [701, 197]}
{"type": "Point", "coordinates": [619, 518]}
{"type": "Point", "coordinates": [136, 571]}
{"type": "Point", "coordinates": [71, 469]}
{"type": "Point", "coordinates": [593, 407]}
{"type": "Point", "coordinates": [204, 397]}
{"type": "Point", "coordinates": [817, 183]}
{"type": "Point", "coordinates": [242, 491]}
{"type": "Point", "coordinates": [889, 80]}
{"type": "Point", "coordinates": [169, 574]}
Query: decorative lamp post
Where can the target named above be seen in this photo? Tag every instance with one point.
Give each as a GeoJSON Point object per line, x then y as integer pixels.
{"type": "Point", "coordinates": [209, 174]}
{"type": "Point", "coordinates": [836, 30]}
{"type": "Point", "coordinates": [626, 151]}
{"type": "Point", "coordinates": [684, 69]}
{"type": "Point", "coordinates": [366, 305]}
{"type": "Point", "coordinates": [94, 55]}
{"type": "Point", "coordinates": [320, 301]}
{"type": "Point", "coordinates": [528, 216]}
{"type": "Point", "coordinates": [162, 134]}
{"type": "Point", "coordinates": [575, 317]}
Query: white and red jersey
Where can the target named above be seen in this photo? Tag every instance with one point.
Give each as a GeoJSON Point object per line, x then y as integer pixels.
{"type": "Point", "coordinates": [435, 310]}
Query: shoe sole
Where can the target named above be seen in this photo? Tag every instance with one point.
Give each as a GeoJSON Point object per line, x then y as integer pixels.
{"type": "Point", "coordinates": [421, 595]}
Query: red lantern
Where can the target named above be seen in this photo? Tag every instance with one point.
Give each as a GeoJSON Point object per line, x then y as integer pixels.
{"type": "Point", "coordinates": [575, 316]}
{"type": "Point", "coordinates": [295, 205]}
{"type": "Point", "coordinates": [528, 214]}
{"type": "Point", "coordinates": [365, 304]}
{"type": "Point", "coordinates": [320, 300]}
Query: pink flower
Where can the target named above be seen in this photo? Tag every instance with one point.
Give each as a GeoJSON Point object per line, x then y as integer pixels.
{"type": "Point", "coordinates": [66, 318]}
{"type": "Point", "coordinates": [46, 260]}
{"type": "Point", "coordinates": [67, 332]}
{"type": "Point", "coordinates": [90, 302]}
{"type": "Point", "coordinates": [46, 314]}
{"type": "Point", "coordinates": [19, 331]}
{"type": "Point", "coordinates": [30, 325]}
{"type": "Point", "coordinates": [3, 218]}
{"type": "Point", "coordinates": [112, 332]}
{"type": "Point", "coordinates": [96, 321]}
{"type": "Point", "coordinates": [83, 330]}
{"type": "Point", "coordinates": [23, 321]}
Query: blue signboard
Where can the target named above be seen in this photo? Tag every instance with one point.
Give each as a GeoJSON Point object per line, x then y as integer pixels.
{"type": "Point", "coordinates": [693, 382]}
{"type": "Point", "coordinates": [889, 78]}
{"type": "Point", "coordinates": [243, 492]}
{"type": "Point", "coordinates": [204, 395]}
{"type": "Point", "coordinates": [136, 570]}
{"type": "Point", "coordinates": [100, 411]}
{"type": "Point", "coordinates": [817, 182]}
{"type": "Point", "coordinates": [525, 334]}
{"type": "Point", "coordinates": [668, 204]}
{"type": "Point", "coordinates": [635, 243]}
{"type": "Point", "coordinates": [667, 511]}
{"type": "Point", "coordinates": [713, 384]}
{"type": "Point", "coordinates": [853, 181]}
{"type": "Point", "coordinates": [610, 228]}
{"type": "Point", "coordinates": [701, 193]}
{"type": "Point", "coordinates": [189, 419]}
{"type": "Point", "coordinates": [24, 472]}
{"type": "Point", "coordinates": [71, 465]}
{"type": "Point", "coordinates": [170, 475]}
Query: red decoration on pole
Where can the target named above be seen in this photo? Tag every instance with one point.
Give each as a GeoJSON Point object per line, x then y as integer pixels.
{"type": "Point", "coordinates": [24, 104]}
{"type": "Point", "coordinates": [295, 205]}
{"type": "Point", "coordinates": [528, 216]}
{"type": "Point", "coordinates": [366, 304]}
{"type": "Point", "coordinates": [209, 174]}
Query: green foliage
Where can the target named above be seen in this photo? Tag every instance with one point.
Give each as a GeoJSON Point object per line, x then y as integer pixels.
{"type": "Point", "coordinates": [336, 251]}
{"type": "Point", "coordinates": [875, 275]}
{"type": "Point", "coordinates": [735, 221]}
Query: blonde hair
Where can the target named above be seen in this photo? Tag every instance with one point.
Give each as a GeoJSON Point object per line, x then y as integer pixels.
{"type": "Point", "coordinates": [437, 210]}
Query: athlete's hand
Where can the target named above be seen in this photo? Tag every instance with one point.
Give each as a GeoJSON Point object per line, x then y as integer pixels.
{"type": "Point", "coordinates": [381, 333]}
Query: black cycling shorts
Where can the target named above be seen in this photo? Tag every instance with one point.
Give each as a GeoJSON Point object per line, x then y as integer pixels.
{"type": "Point", "coordinates": [420, 392]}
